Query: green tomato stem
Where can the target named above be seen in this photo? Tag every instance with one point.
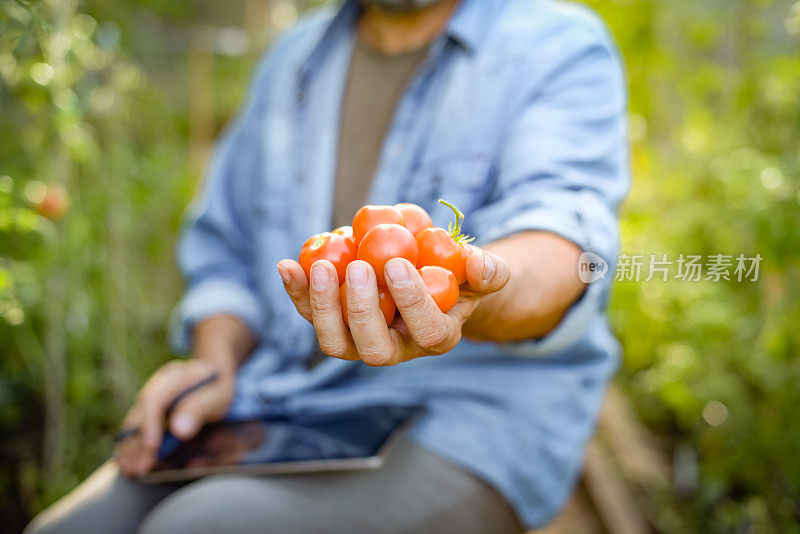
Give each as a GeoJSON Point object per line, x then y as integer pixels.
{"type": "Point", "coordinates": [455, 231]}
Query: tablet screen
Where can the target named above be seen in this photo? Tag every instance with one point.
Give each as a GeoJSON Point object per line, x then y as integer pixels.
{"type": "Point", "coordinates": [343, 436]}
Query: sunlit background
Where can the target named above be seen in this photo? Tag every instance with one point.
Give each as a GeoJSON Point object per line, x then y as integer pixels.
{"type": "Point", "coordinates": [107, 113]}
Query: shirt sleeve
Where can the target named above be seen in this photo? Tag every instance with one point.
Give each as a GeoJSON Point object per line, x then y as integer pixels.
{"type": "Point", "coordinates": [564, 168]}
{"type": "Point", "coordinates": [215, 252]}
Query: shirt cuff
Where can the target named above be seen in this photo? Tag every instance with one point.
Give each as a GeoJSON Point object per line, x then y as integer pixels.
{"type": "Point", "coordinates": [214, 297]}
{"type": "Point", "coordinates": [582, 217]}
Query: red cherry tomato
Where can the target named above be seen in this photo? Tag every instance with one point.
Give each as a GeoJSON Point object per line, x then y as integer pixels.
{"type": "Point", "coordinates": [55, 202]}
{"type": "Point", "coordinates": [446, 248]}
{"type": "Point", "coordinates": [346, 231]}
{"type": "Point", "coordinates": [336, 248]}
{"type": "Point", "coordinates": [385, 302]}
{"type": "Point", "coordinates": [438, 248]}
{"type": "Point", "coordinates": [416, 219]}
{"type": "Point", "coordinates": [441, 285]}
{"type": "Point", "coordinates": [370, 216]}
{"type": "Point", "coordinates": [384, 242]}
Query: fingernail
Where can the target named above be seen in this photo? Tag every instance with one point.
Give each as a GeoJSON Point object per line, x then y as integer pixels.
{"type": "Point", "coordinates": [488, 267]}
{"type": "Point", "coordinates": [284, 275]}
{"type": "Point", "coordinates": [396, 272]}
{"type": "Point", "coordinates": [357, 275]}
{"type": "Point", "coordinates": [320, 277]}
{"type": "Point", "coordinates": [183, 425]}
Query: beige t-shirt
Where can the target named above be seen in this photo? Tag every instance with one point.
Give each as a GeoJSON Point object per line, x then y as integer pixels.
{"type": "Point", "coordinates": [375, 83]}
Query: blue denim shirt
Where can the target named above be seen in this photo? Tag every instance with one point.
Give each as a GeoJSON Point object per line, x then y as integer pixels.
{"type": "Point", "coordinates": [517, 115]}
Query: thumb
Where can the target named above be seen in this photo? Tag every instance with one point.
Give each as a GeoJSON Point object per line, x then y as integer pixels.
{"type": "Point", "coordinates": [487, 272]}
{"type": "Point", "coordinates": [197, 409]}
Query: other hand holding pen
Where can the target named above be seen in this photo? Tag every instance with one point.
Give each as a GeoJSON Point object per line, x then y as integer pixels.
{"type": "Point", "coordinates": [155, 410]}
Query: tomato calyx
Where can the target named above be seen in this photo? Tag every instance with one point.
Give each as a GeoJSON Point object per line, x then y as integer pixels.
{"type": "Point", "coordinates": [319, 240]}
{"type": "Point", "coordinates": [455, 229]}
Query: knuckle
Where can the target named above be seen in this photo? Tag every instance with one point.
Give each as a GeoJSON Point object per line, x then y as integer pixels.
{"type": "Point", "coordinates": [172, 368]}
{"type": "Point", "coordinates": [333, 348]}
{"type": "Point", "coordinates": [320, 305]}
{"type": "Point", "coordinates": [133, 416]}
{"type": "Point", "coordinates": [201, 368]}
{"type": "Point", "coordinates": [375, 357]}
{"type": "Point", "coordinates": [165, 374]}
{"type": "Point", "coordinates": [359, 311]}
{"type": "Point", "coordinates": [197, 408]}
{"type": "Point", "coordinates": [145, 396]}
{"type": "Point", "coordinates": [295, 294]}
{"type": "Point", "coordinates": [296, 291]}
{"type": "Point", "coordinates": [436, 341]}
{"type": "Point", "coordinates": [148, 405]}
{"type": "Point", "coordinates": [413, 301]}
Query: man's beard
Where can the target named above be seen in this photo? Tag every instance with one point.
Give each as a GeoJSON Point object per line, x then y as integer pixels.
{"type": "Point", "coordinates": [400, 6]}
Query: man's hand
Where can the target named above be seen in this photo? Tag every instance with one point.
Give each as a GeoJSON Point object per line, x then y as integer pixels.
{"type": "Point", "coordinates": [137, 455]}
{"type": "Point", "coordinates": [219, 344]}
{"type": "Point", "coordinates": [422, 330]}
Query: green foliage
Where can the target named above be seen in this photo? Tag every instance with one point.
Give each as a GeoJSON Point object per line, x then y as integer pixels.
{"type": "Point", "coordinates": [95, 101]}
{"type": "Point", "coordinates": [83, 297]}
{"type": "Point", "coordinates": [715, 121]}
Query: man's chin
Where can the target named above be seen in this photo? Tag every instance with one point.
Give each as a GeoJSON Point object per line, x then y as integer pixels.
{"type": "Point", "coordinates": [400, 6]}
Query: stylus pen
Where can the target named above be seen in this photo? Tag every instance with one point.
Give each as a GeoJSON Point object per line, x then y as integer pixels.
{"type": "Point", "coordinates": [125, 433]}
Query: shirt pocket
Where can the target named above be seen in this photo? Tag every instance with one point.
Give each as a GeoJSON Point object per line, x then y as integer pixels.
{"type": "Point", "coordinates": [463, 179]}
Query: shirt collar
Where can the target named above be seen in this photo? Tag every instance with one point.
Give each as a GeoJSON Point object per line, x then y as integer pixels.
{"type": "Point", "coordinates": [339, 26]}
{"type": "Point", "coordinates": [471, 22]}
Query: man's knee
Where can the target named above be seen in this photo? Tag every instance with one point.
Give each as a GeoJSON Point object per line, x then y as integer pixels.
{"type": "Point", "coordinates": [54, 521]}
{"type": "Point", "coordinates": [104, 502]}
{"type": "Point", "coordinates": [57, 519]}
{"type": "Point", "coordinates": [41, 524]}
{"type": "Point", "coordinates": [220, 503]}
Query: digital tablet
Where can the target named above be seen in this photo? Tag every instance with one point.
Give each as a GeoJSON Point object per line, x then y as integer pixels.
{"type": "Point", "coordinates": [346, 441]}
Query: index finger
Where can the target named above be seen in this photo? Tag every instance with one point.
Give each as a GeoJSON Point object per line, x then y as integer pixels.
{"type": "Point", "coordinates": [131, 454]}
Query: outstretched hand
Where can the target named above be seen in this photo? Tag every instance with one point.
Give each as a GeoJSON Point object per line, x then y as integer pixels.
{"type": "Point", "coordinates": [421, 330]}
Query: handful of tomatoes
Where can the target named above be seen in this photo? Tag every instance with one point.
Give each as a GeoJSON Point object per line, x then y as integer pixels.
{"type": "Point", "coordinates": [380, 233]}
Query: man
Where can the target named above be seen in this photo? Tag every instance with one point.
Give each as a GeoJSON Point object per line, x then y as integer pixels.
{"type": "Point", "coordinates": [514, 110]}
